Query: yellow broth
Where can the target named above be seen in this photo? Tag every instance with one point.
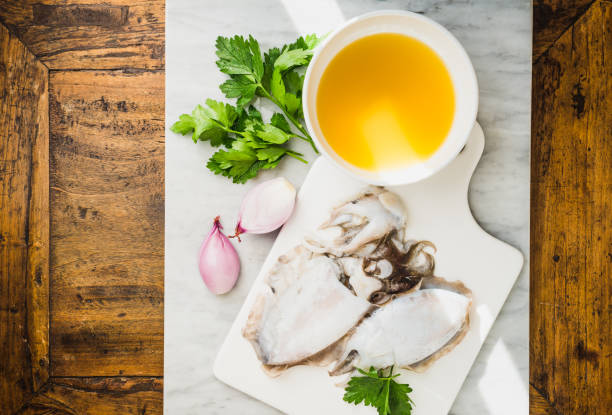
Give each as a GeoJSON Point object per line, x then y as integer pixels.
{"type": "Point", "coordinates": [385, 101]}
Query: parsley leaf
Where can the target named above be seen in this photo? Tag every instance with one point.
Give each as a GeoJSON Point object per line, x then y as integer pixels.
{"type": "Point", "coordinates": [292, 103]}
{"type": "Point", "coordinates": [271, 153]}
{"type": "Point", "coordinates": [257, 147]}
{"type": "Point", "coordinates": [278, 65]}
{"type": "Point", "coordinates": [269, 58]}
{"type": "Point", "coordinates": [239, 56]}
{"type": "Point", "coordinates": [225, 114]}
{"type": "Point", "coordinates": [293, 82]}
{"type": "Point", "coordinates": [241, 59]}
{"type": "Point", "coordinates": [246, 116]}
{"type": "Point", "coordinates": [237, 165]}
{"type": "Point", "coordinates": [291, 58]}
{"type": "Point", "coordinates": [306, 44]}
{"type": "Point", "coordinates": [277, 86]}
{"type": "Point", "coordinates": [310, 41]}
{"type": "Point", "coordinates": [278, 120]}
{"type": "Point", "coordinates": [399, 401]}
{"type": "Point", "coordinates": [183, 125]}
{"type": "Point", "coordinates": [207, 123]}
{"type": "Point", "coordinates": [251, 144]}
{"type": "Point", "coordinates": [379, 391]}
{"type": "Point", "coordinates": [241, 87]}
{"type": "Point", "coordinates": [240, 165]}
{"type": "Point", "coordinates": [272, 134]}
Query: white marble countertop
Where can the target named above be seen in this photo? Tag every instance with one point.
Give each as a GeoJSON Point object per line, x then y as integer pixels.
{"type": "Point", "coordinates": [496, 35]}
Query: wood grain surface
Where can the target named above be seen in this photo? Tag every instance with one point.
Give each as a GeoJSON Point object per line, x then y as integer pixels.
{"type": "Point", "coordinates": [107, 223]}
{"type": "Point", "coordinates": [98, 396]}
{"type": "Point", "coordinates": [24, 223]}
{"type": "Point", "coordinates": [88, 34]}
{"type": "Point", "coordinates": [81, 326]}
{"type": "Point", "coordinates": [551, 18]}
{"type": "Point", "coordinates": [100, 350]}
{"type": "Point", "coordinates": [571, 211]}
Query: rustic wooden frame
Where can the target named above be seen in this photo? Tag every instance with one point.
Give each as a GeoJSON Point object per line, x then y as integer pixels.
{"type": "Point", "coordinates": [49, 42]}
{"type": "Point", "coordinates": [571, 209]}
{"type": "Point", "coordinates": [49, 50]}
{"type": "Point", "coordinates": [24, 234]}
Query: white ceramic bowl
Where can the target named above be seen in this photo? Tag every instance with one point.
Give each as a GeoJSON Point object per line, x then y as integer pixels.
{"type": "Point", "coordinates": [448, 49]}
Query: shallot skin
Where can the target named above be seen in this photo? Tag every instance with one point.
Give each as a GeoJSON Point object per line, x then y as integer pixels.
{"type": "Point", "coordinates": [218, 261]}
{"type": "Point", "coordinates": [266, 207]}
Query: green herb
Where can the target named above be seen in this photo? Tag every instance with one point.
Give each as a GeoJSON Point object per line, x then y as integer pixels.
{"type": "Point", "coordinates": [380, 391]}
{"type": "Point", "coordinates": [252, 145]}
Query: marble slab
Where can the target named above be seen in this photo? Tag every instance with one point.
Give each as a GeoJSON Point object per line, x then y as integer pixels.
{"type": "Point", "coordinates": [496, 35]}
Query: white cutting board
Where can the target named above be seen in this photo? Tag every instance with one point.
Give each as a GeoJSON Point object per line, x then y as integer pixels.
{"type": "Point", "coordinates": [438, 211]}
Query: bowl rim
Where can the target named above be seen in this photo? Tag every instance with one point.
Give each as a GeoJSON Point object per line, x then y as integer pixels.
{"type": "Point", "coordinates": [399, 177]}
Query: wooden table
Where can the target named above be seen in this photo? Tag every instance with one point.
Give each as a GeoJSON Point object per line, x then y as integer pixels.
{"type": "Point", "coordinates": [571, 208]}
{"type": "Point", "coordinates": [82, 204]}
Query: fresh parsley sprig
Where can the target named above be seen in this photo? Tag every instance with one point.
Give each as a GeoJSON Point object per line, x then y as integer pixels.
{"type": "Point", "coordinates": [381, 391]}
{"type": "Point", "coordinates": [252, 145]}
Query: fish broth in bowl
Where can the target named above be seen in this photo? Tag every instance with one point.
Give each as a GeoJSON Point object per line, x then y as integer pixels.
{"type": "Point", "coordinates": [385, 101]}
{"type": "Point", "coordinates": [390, 98]}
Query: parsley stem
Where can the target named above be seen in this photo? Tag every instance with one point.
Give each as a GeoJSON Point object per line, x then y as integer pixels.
{"type": "Point", "coordinates": [385, 408]}
{"type": "Point", "coordinates": [295, 156]}
{"type": "Point", "coordinates": [226, 128]}
{"type": "Point", "coordinates": [295, 122]}
{"type": "Point", "coordinates": [229, 130]}
{"type": "Point", "coordinates": [301, 137]}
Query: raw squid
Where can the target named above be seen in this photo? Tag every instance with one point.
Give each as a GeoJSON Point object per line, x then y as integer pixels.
{"type": "Point", "coordinates": [357, 294]}
{"type": "Point", "coordinates": [305, 309]}
{"type": "Point", "coordinates": [412, 330]}
{"type": "Point", "coordinates": [357, 225]}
